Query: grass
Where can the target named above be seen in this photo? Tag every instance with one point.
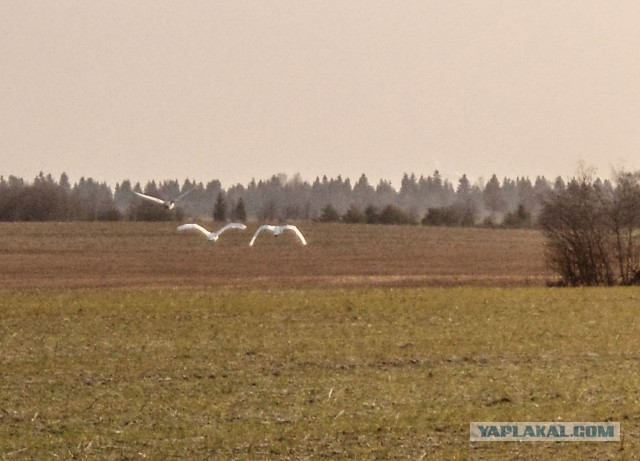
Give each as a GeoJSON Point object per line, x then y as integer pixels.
{"type": "Point", "coordinates": [318, 373]}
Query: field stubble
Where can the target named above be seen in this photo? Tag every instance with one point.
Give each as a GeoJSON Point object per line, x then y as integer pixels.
{"type": "Point", "coordinates": [89, 255]}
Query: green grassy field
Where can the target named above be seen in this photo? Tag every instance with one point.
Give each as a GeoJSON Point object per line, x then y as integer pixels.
{"type": "Point", "coordinates": [313, 373]}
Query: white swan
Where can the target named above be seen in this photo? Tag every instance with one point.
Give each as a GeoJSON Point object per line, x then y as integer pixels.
{"type": "Point", "coordinates": [168, 204]}
{"type": "Point", "coordinates": [277, 230]}
{"type": "Point", "coordinates": [213, 236]}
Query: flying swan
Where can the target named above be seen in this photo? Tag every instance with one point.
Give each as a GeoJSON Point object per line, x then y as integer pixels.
{"type": "Point", "coordinates": [168, 204]}
{"type": "Point", "coordinates": [213, 236]}
{"type": "Point", "coordinates": [277, 230]}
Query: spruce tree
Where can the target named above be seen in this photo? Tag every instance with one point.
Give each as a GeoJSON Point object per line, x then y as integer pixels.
{"type": "Point", "coordinates": [220, 208]}
{"type": "Point", "coordinates": [240, 213]}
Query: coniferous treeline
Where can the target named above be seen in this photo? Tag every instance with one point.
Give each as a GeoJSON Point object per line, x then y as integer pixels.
{"type": "Point", "coordinates": [430, 200]}
{"type": "Point", "coordinates": [45, 199]}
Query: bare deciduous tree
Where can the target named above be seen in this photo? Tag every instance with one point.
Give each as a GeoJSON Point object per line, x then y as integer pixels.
{"type": "Point", "coordinates": [591, 231]}
{"type": "Point", "coordinates": [625, 221]}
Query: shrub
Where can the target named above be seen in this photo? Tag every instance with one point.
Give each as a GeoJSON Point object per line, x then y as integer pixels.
{"type": "Point", "coordinates": [459, 214]}
{"type": "Point", "coordinates": [591, 231]}
{"type": "Point", "coordinates": [354, 215]}
{"type": "Point", "coordinates": [519, 218]}
{"type": "Point", "coordinates": [329, 214]}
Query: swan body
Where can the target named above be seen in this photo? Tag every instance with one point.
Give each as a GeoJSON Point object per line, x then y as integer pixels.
{"type": "Point", "coordinates": [212, 236]}
{"type": "Point", "coordinates": [168, 204]}
{"type": "Point", "coordinates": [277, 230]}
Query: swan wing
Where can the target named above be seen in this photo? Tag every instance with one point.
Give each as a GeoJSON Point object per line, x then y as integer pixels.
{"type": "Point", "coordinates": [149, 197]}
{"type": "Point", "coordinates": [232, 225]}
{"type": "Point", "coordinates": [183, 195]}
{"type": "Point", "coordinates": [260, 229]}
{"type": "Point", "coordinates": [197, 227]}
{"type": "Point", "coordinates": [297, 232]}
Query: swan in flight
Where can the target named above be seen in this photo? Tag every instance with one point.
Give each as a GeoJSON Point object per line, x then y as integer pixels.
{"type": "Point", "coordinates": [277, 230]}
{"type": "Point", "coordinates": [213, 236]}
{"type": "Point", "coordinates": [168, 204]}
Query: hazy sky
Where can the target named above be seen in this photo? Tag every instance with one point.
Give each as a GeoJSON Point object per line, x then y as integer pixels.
{"type": "Point", "coordinates": [158, 89]}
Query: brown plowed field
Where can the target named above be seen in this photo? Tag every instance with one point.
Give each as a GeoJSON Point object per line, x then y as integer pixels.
{"type": "Point", "coordinates": [86, 255]}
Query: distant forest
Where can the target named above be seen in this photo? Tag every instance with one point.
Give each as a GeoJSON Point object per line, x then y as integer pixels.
{"type": "Point", "coordinates": [429, 200]}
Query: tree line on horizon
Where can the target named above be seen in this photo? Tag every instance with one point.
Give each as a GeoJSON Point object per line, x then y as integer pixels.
{"type": "Point", "coordinates": [592, 227]}
{"type": "Point", "coordinates": [431, 200]}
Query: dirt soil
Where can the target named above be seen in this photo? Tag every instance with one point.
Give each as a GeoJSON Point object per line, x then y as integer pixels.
{"type": "Point", "coordinates": [123, 254]}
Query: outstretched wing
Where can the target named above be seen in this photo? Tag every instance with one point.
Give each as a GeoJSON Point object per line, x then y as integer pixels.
{"type": "Point", "coordinates": [260, 229]}
{"type": "Point", "coordinates": [231, 225]}
{"type": "Point", "coordinates": [297, 231]}
{"type": "Point", "coordinates": [149, 197]}
{"type": "Point", "coordinates": [198, 227]}
{"type": "Point", "coordinates": [183, 195]}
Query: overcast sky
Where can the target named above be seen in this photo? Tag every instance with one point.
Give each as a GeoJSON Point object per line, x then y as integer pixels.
{"type": "Point", "coordinates": [234, 90]}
